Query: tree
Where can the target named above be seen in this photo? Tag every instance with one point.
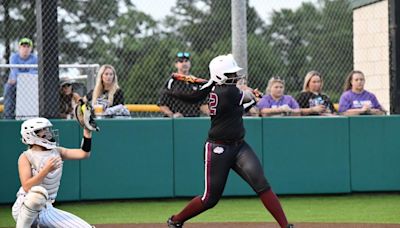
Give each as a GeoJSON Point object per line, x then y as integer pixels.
{"type": "Point", "coordinates": [202, 23]}
{"type": "Point", "coordinates": [104, 33]}
{"type": "Point", "coordinates": [151, 71]}
{"type": "Point", "coordinates": [290, 33]}
{"type": "Point", "coordinates": [263, 61]}
{"type": "Point", "coordinates": [19, 21]}
{"type": "Point", "coordinates": [313, 38]}
{"type": "Point", "coordinates": [335, 36]}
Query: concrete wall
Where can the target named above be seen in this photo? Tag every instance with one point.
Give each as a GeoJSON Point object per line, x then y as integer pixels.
{"type": "Point", "coordinates": [371, 47]}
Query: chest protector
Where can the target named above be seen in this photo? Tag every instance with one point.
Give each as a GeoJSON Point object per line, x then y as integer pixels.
{"type": "Point", "coordinates": [38, 160]}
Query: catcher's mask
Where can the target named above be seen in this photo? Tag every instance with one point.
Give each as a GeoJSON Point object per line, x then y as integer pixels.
{"type": "Point", "coordinates": [38, 131]}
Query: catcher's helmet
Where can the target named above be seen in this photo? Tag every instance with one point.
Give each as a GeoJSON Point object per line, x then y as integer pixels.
{"type": "Point", "coordinates": [31, 127]}
{"type": "Point", "coordinates": [222, 65]}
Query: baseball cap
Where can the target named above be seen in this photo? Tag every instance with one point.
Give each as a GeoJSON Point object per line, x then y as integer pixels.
{"type": "Point", "coordinates": [66, 82]}
{"type": "Point", "coordinates": [25, 41]}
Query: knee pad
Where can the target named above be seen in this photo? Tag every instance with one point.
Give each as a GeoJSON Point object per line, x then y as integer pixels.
{"type": "Point", "coordinates": [34, 201]}
{"type": "Point", "coordinates": [36, 198]}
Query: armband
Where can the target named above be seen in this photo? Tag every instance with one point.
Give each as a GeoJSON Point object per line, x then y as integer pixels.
{"type": "Point", "coordinates": [86, 144]}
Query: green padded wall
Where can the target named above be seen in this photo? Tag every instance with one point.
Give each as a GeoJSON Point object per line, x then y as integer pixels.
{"type": "Point", "coordinates": [190, 135]}
{"type": "Point", "coordinates": [146, 158]}
{"type": "Point", "coordinates": [131, 158]}
{"type": "Point", "coordinates": [375, 153]}
{"type": "Point", "coordinates": [10, 149]}
{"type": "Point", "coordinates": [307, 155]}
{"type": "Point", "coordinates": [189, 138]}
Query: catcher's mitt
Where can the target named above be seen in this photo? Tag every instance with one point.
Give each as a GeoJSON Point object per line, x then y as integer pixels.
{"type": "Point", "coordinates": [84, 114]}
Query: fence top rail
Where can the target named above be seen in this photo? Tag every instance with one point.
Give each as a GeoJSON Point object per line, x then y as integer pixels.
{"type": "Point", "coordinates": [60, 66]}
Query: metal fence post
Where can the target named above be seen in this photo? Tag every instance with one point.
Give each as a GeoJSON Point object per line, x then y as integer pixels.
{"type": "Point", "coordinates": [239, 33]}
{"type": "Point", "coordinates": [46, 20]}
{"type": "Point", "coordinates": [394, 21]}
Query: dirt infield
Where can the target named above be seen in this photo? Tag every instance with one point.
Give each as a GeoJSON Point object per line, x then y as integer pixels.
{"type": "Point", "coordinates": [253, 225]}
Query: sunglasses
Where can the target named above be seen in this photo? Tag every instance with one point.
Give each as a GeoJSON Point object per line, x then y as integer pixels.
{"type": "Point", "coordinates": [183, 55]}
{"type": "Point", "coordinates": [181, 60]}
{"type": "Point", "coordinates": [66, 85]}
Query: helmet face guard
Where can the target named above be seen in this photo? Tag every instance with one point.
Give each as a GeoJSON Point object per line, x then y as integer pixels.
{"type": "Point", "coordinates": [233, 78]}
{"type": "Point", "coordinates": [49, 134]}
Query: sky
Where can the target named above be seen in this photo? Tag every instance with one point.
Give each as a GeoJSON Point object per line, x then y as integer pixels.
{"type": "Point", "coordinates": [159, 8]}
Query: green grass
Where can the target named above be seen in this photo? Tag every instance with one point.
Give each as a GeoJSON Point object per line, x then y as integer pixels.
{"type": "Point", "coordinates": [356, 208]}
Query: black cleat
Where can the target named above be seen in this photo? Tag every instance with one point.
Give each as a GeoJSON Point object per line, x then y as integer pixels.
{"type": "Point", "coordinates": [172, 224]}
{"type": "Point", "coordinates": [290, 226]}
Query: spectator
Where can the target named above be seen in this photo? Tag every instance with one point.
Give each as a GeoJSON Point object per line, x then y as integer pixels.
{"type": "Point", "coordinates": [107, 93]}
{"type": "Point", "coordinates": [355, 100]}
{"type": "Point", "coordinates": [24, 56]}
{"type": "Point", "coordinates": [173, 107]}
{"type": "Point", "coordinates": [275, 103]}
{"type": "Point", "coordinates": [68, 100]}
{"type": "Point", "coordinates": [311, 100]}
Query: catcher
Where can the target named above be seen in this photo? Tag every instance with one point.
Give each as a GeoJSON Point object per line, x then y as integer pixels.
{"type": "Point", "coordinates": [40, 169]}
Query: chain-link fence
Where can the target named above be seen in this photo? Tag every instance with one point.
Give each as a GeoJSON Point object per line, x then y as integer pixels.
{"type": "Point", "coordinates": [315, 36]}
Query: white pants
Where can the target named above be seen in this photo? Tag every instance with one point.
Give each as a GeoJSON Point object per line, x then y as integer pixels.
{"type": "Point", "coordinates": [51, 217]}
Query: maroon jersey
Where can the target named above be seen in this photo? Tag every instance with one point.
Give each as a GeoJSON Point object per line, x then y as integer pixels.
{"type": "Point", "coordinates": [226, 111]}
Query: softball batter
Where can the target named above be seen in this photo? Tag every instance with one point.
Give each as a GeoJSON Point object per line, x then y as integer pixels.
{"type": "Point", "coordinates": [40, 169]}
{"type": "Point", "coordinates": [225, 147]}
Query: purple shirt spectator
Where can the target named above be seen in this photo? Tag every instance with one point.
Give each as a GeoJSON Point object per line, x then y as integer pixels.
{"type": "Point", "coordinates": [269, 102]}
{"type": "Point", "coordinates": [351, 100]}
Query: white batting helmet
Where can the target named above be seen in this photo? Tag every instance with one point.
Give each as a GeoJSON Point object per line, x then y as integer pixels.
{"type": "Point", "coordinates": [31, 127]}
{"type": "Point", "coordinates": [222, 65]}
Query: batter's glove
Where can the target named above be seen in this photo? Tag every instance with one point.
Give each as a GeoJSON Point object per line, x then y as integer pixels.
{"type": "Point", "coordinates": [257, 93]}
{"type": "Point", "coordinates": [84, 114]}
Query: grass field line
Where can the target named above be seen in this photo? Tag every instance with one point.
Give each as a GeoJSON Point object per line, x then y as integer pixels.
{"type": "Point", "coordinates": [354, 208]}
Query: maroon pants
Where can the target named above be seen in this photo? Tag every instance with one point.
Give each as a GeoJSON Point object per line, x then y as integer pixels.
{"type": "Point", "coordinates": [220, 159]}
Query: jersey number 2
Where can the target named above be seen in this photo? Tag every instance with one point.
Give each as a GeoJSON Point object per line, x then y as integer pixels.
{"type": "Point", "coordinates": [212, 104]}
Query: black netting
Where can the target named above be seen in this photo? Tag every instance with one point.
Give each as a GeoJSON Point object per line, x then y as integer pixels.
{"type": "Point", "coordinates": [315, 36]}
